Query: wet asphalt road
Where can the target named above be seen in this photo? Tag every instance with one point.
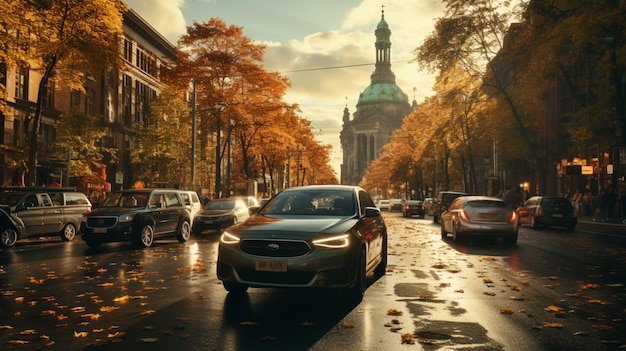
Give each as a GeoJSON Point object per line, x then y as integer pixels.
{"type": "Point", "coordinates": [553, 291]}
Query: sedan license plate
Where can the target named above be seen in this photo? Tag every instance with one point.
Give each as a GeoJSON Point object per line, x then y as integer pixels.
{"type": "Point", "coordinates": [270, 266]}
{"type": "Point", "coordinates": [559, 215]}
{"type": "Point", "coordinates": [100, 230]}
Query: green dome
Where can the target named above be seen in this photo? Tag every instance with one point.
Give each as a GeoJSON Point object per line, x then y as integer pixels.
{"type": "Point", "coordinates": [383, 92]}
{"type": "Point", "coordinates": [382, 24]}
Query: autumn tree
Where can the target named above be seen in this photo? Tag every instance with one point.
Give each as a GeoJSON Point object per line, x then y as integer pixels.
{"type": "Point", "coordinates": [79, 134]}
{"type": "Point", "coordinates": [65, 39]}
{"type": "Point", "coordinates": [163, 142]}
{"type": "Point", "coordinates": [226, 67]}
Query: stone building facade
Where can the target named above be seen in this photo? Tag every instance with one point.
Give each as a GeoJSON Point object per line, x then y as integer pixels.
{"type": "Point", "coordinates": [379, 111]}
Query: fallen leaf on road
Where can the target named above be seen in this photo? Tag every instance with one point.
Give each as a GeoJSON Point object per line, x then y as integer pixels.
{"type": "Point", "coordinates": [348, 324]}
{"type": "Point", "coordinates": [149, 340]}
{"type": "Point", "coordinates": [393, 312]}
{"type": "Point", "coordinates": [506, 310]}
{"type": "Point", "coordinates": [407, 338]}
{"type": "Point", "coordinates": [552, 325]}
{"type": "Point", "coordinates": [80, 334]}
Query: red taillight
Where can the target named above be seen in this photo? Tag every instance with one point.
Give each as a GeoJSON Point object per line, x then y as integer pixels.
{"type": "Point", "coordinates": [513, 217]}
{"type": "Point", "coordinates": [463, 215]}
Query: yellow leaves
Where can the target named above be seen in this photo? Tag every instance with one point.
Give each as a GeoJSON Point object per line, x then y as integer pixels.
{"type": "Point", "coordinates": [487, 258]}
{"type": "Point", "coordinates": [81, 334]}
{"type": "Point", "coordinates": [149, 340]}
{"type": "Point", "coordinates": [19, 299]}
{"type": "Point", "coordinates": [17, 342]}
{"type": "Point", "coordinates": [92, 316]}
{"type": "Point", "coordinates": [407, 338]}
{"type": "Point", "coordinates": [106, 285]}
{"type": "Point", "coordinates": [48, 313]}
{"type": "Point", "coordinates": [553, 308]}
{"type": "Point", "coordinates": [589, 286]}
{"type": "Point", "coordinates": [147, 312]}
{"type": "Point", "coordinates": [28, 332]}
{"type": "Point", "coordinates": [598, 302]}
{"type": "Point", "coordinates": [109, 308]}
{"type": "Point", "coordinates": [78, 309]}
{"type": "Point", "coordinates": [553, 325]}
{"type": "Point", "coordinates": [348, 324]}
{"type": "Point", "coordinates": [506, 310]}
{"type": "Point", "coordinates": [393, 312]}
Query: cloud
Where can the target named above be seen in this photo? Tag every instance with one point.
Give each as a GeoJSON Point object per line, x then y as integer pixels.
{"type": "Point", "coordinates": [328, 69]}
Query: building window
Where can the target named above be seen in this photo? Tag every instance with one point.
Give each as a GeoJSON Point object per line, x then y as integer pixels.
{"type": "Point", "coordinates": [89, 101]}
{"type": "Point", "coordinates": [128, 50]}
{"type": "Point", "coordinates": [127, 91]}
{"type": "Point", "coordinates": [146, 63]}
{"type": "Point", "coordinates": [21, 83]}
{"type": "Point", "coordinates": [75, 99]}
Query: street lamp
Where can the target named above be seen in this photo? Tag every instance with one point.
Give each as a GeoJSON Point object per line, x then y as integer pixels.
{"type": "Point", "coordinates": [218, 155]}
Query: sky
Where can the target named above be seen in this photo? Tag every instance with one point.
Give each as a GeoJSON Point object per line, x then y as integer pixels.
{"type": "Point", "coordinates": [331, 40]}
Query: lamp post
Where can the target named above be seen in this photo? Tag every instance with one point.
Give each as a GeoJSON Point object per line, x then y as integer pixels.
{"type": "Point", "coordinates": [218, 154]}
{"type": "Point", "coordinates": [193, 137]}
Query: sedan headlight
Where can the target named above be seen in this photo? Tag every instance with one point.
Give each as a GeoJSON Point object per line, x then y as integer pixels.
{"type": "Point", "coordinates": [127, 217]}
{"type": "Point", "coordinates": [333, 242]}
{"type": "Point", "coordinates": [228, 238]}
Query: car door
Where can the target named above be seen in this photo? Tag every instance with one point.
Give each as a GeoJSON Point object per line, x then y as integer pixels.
{"type": "Point", "coordinates": [171, 213]}
{"type": "Point", "coordinates": [30, 212]}
{"type": "Point", "coordinates": [372, 228]}
{"type": "Point", "coordinates": [51, 215]}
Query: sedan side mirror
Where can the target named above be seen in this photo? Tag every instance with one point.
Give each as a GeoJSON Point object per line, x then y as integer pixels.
{"type": "Point", "coordinates": [371, 212]}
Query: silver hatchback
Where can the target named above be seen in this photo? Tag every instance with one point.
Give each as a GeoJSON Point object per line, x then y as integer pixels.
{"type": "Point", "coordinates": [479, 216]}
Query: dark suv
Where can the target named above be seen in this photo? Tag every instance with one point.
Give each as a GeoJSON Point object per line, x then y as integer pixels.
{"type": "Point", "coordinates": [443, 201]}
{"type": "Point", "coordinates": [38, 211]}
{"type": "Point", "coordinates": [138, 215]}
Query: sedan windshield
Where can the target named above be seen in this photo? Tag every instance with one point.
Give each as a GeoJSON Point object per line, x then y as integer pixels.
{"type": "Point", "coordinates": [310, 202]}
{"type": "Point", "coordinates": [220, 205]}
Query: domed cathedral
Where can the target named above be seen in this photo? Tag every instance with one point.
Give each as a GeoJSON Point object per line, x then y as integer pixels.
{"type": "Point", "coordinates": [379, 111]}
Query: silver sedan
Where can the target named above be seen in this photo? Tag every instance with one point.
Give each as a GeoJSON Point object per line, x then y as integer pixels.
{"type": "Point", "coordinates": [480, 216]}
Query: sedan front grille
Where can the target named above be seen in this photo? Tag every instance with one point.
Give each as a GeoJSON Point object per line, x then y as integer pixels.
{"type": "Point", "coordinates": [275, 248]}
{"type": "Point", "coordinates": [101, 222]}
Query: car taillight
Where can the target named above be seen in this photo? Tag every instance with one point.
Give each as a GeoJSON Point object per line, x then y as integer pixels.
{"type": "Point", "coordinates": [513, 217]}
{"type": "Point", "coordinates": [464, 216]}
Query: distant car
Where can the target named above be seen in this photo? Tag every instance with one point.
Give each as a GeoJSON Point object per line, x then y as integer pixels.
{"type": "Point", "coordinates": [383, 205]}
{"type": "Point", "coordinates": [395, 205]}
{"type": "Point", "coordinates": [220, 214]}
{"type": "Point", "coordinates": [469, 216]}
{"type": "Point", "coordinates": [318, 236]}
{"type": "Point", "coordinates": [429, 205]}
{"type": "Point", "coordinates": [27, 212]}
{"type": "Point", "coordinates": [413, 208]}
{"type": "Point", "coordinates": [250, 201]}
{"type": "Point", "coordinates": [139, 216]}
{"type": "Point", "coordinates": [444, 198]}
{"type": "Point", "coordinates": [548, 211]}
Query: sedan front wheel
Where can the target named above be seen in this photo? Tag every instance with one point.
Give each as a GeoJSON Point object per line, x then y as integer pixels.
{"type": "Point", "coordinates": [146, 236]}
{"type": "Point", "coordinates": [8, 237]}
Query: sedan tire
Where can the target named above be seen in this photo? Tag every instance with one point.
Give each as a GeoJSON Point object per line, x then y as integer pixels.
{"type": "Point", "coordinates": [146, 236]}
{"type": "Point", "coordinates": [355, 293]}
{"type": "Point", "coordinates": [8, 237]}
{"type": "Point", "coordinates": [184, 233]}
{"type": "Point", "coordinates": [235, 288]}
{"type": "Point", "coordinates": [69, 232]}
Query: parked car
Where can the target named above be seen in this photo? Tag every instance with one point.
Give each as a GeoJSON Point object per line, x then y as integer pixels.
{"type": "Point", "coordinates": [139, 216]}
{"type": "Point", "coordinates": [429, 205]}
{"type": "Point", "coordinates": [252, 203]}
{"type": "Point", "coordinates": [468, 216]}
{"type": "Point", "coordinates": [39, 211]}
{"type": "Point", "coordinates": [383, 205]}
{"type": "Point", "coordinates": [444, 198]}
{"type": "Point", "coordinates": [548, 211]}
{"type": "Point", "coordinates": [413, 208]}
{"type": "Point", "coordinates": [395, 205]}
{"type": "Point", "coordinates": [191, 199]}
{"type": "Point", "coordinates": [220, 214]}
{"type": "Point", "coordinates": [318, 236]}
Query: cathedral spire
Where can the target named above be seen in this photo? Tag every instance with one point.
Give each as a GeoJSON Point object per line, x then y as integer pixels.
{"type": "Point", "coordinates": [383, 73]}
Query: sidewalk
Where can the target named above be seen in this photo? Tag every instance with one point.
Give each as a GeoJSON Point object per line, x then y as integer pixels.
{"type": "Point", "coordinates": [612, 226]}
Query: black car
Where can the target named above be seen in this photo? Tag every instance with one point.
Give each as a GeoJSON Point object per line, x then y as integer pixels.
{"type": "Point", "coordinates": [548, 211]}
{"type": "Point", "coordinates": [39, 211]}
{"type": "Point", "coordinates": [413, 208]}
{"type": "Point", "coordinates": [219, 214]}
{"type": "Point", "coordinates": [140, 216]}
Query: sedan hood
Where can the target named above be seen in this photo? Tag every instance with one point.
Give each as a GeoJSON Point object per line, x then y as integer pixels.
{"type": "Point", "coordinates": [214, 212]}
{"type": "Point", "coordinates": [291, 226]}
